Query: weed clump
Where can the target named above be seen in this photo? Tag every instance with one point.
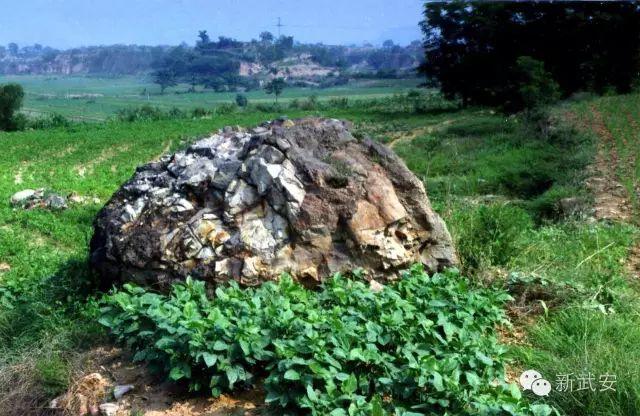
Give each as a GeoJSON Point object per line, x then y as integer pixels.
{"type": "Point", "coordinates": [488, 235]}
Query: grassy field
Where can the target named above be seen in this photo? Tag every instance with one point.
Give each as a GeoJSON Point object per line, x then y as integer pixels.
{"type": "Point", "coordinates": [95, 99]}
{"type": "Point", "coordinates": [496, 181]}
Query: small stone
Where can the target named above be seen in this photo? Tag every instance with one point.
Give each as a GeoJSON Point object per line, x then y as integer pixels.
{"type": "Point", "coordinates": [375, 286]}
{"type": "Point", "coordinates": [55, 403]}
{"type": "Point", "coordinates": [55, 201]}
{"type": "Point", "coordinates": [121, 390]}
{"type": "Point", "coordinates": [76, 199]}
{"type": "Point", "coordinates": [4, 267]}
{"type": "Point", "coordinates": [108, 409]}
{"type": "Point", "coordinates": [260, 131]}
{"type": "Point", "coordinates": [22, 196]}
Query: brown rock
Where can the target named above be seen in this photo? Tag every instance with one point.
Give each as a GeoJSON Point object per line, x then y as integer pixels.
{"type": "Point", "coordinates": [302, 197]}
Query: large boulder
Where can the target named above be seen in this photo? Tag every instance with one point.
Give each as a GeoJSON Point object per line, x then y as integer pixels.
{"type": "Point", "coordinates": [303, 197]}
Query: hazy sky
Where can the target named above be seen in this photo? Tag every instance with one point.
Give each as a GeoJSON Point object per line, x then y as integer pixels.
{"type": "Point", "coordinates": [68, 23]}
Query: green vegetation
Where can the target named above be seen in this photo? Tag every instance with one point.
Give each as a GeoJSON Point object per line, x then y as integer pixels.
{"type": "Point", "coordinates": [276, 87]}
{"type": "Point", "coordinates": [338, 351]}
{"type": "Point", "coordinates": [497, 181]}
{"type": "Point", "coordinates": [11, 96]}
{"type": "Point", "coordinates": [85, 98]}
{"type": "Point", "coordinates": [475, 50]}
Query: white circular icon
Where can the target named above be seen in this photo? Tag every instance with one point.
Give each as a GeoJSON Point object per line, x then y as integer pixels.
{"type": "Point", "coordinates": [528, 377]}
{"type": "Point", "coordinates": [541, 387]}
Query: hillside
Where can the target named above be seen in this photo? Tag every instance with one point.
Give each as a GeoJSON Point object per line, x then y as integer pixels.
{"type": "Point", "coordinates": [256, 57]}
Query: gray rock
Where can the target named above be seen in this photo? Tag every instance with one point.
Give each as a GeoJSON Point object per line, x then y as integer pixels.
{"type": "Point", "coordinates": [55, 201]}
{"type": "Point", "coordinates": [121, 390]}
{"type": "Point", "coordinates": [302, 197]}
{"type": "Point", "coordinates": [23, 196]}
{"type": "Point", "coordinates": [30, 198]}
{"type": "Point", "coordinates": [108, 409]}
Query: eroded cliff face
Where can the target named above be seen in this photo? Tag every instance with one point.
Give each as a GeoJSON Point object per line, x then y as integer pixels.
{"type": "Point", "coordinates": [303, 197]}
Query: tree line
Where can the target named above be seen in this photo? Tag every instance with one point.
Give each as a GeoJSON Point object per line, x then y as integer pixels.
{"type": "Point", "coordinates": [514, 54]}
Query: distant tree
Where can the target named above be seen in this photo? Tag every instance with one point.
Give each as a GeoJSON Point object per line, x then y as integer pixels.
{"type": "Point", "coordinates": [275, 86]}
{"type": "Point", "coordinates": [165, 78]}
{"type": "Point", "coordinates": [11, 96]}
{"type": "Point", "coordinates": [266, 37]}
{"type": "Point", "coordinates": [13, 48]}
{"type": "Point", "coordinates": [204, 37]}
{"type": "Point", "coordinates": [242, 100]}
{"type": "Point", "coordinates": [388, 44]}
{"type": "Point", "coordinates": [285, 43]}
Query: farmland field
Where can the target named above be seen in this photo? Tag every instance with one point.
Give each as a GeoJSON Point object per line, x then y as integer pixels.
{"type": "Point", "coordinates": [496, 182]}
{"type": "Point", "coordinates": [95, 99]}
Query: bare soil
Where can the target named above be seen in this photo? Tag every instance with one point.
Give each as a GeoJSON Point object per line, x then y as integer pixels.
{"type": "Point", "coordinates": [153, 397]}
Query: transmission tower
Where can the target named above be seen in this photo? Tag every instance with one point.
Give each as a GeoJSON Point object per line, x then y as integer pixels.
{"type": "Point", "coordinates": [279, 25]}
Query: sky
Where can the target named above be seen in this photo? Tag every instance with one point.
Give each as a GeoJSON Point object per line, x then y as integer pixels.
{"type": "Point", "coordinates": [72, 23]}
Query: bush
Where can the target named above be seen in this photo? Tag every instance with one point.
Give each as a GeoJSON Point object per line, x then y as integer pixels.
{"type": "Point", "coordinates": [142, 113]}
{"type": "Point", "coordinates": [311, 103]}
{"type": "Point", "coordinates": [537, 87]}
{"type": "Point", "coordinates": [200, 112]}
{"type": "Point", "coordinates": [338, 102]}
{"type": "Point", "coordinates": [50, 121]}
{"type": "Point", "coordinates": [269, 107]}
{"type": "Point", "coordinates": [241, 100]}
{"type": "Point", "coordinates": [11, 96]}
{"type": "Point", "coordinates": [226, 108]}
{"type": "Point", "coordinates": [488, 235]}
{"type": "Point", "coordinates": [425, 345]}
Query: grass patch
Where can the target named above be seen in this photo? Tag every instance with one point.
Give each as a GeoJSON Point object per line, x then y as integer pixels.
{"type": "Point", "coordinates": [591, 348]}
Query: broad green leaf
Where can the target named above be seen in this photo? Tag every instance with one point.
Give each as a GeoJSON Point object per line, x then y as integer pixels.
{"type": "Point", "coordinates": [291, 375]}
{"type": "Point", "coordinates": [209, 359]}
{"type": "Point", "coordinates": [350, 385]}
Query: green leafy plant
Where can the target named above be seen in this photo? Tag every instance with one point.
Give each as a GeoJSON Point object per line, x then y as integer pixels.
{"type": "Point", "coordinates": [422, 346]}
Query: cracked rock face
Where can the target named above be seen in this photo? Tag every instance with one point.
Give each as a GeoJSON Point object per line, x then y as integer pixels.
{"type": "Point", "coordinates": [303, 197]}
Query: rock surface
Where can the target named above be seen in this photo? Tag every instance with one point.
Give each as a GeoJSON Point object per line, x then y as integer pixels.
{"type": "Point", "coordinates": [38, 198]}
{"type": "Point", "coordinates": [302, 196]}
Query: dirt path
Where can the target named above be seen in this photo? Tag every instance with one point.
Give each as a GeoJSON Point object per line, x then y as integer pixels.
{"type": "Point", "coordinates": [611, 199]}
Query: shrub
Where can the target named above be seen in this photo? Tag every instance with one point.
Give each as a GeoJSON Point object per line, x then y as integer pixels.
{"type": "Point", "coordinates": [226, 108]}
{"type": "Point", "coordinates": [269, 107]}
{"type": "Point", "coordinates": [425, 345]}
{"type": "Point", "coordinates": [200, 112]}
{"type": "Point", "coordinates": [537, 87]}
{"type": "Point", "coordinates": [11, 96]}
{"type": "Point", "coordinates": [241, 100]}
{"type": "Point", "coordinates": [338, 102]}
{"type": "Point", "coordinates": [311, 103]}
{"type": "Point", "coordinates": [488, 235]}
{"type": "Point", "coordinates": [50, 121]}
{"type": "Point", "coordinates": [142, 113]}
